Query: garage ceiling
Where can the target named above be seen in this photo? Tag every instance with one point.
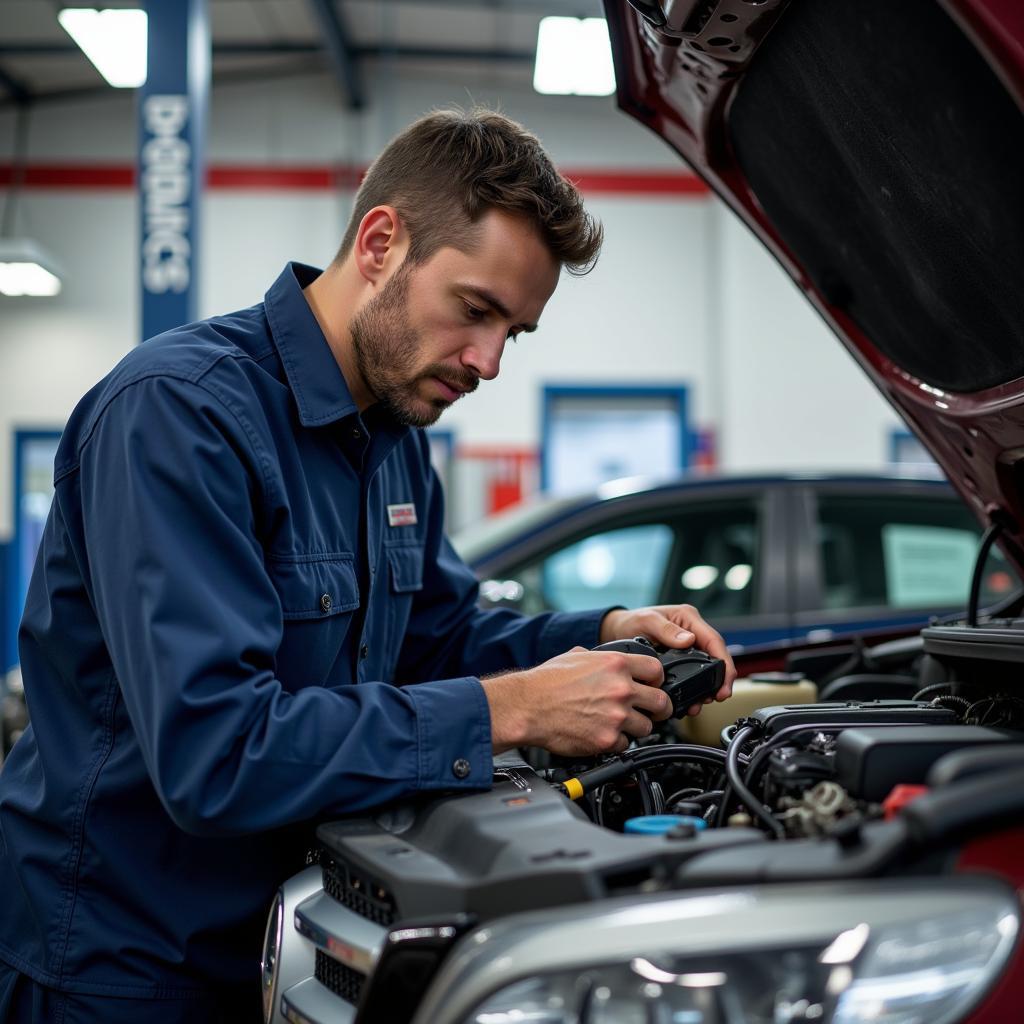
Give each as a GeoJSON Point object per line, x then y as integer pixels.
{"type": "Point", "coordinates": [255, 39]}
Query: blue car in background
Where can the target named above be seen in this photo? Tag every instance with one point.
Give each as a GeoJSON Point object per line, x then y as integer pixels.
{"type": "Point", "coordinates": [796, 558]}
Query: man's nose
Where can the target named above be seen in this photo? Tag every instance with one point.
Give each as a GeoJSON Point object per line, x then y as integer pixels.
{"type": "Point", "coordinates": [483, 357]}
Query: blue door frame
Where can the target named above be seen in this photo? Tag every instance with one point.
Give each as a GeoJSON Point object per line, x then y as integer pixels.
{"type": "Point", "coordinates": [554, 393]}
{"type": "Point", "coordinates": [22, 549]}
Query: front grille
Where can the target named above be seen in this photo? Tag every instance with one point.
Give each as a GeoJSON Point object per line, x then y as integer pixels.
{"type": "Point", "coordinates": [341, 980]}
{"type": "Point", "coordinates": [367, 898]}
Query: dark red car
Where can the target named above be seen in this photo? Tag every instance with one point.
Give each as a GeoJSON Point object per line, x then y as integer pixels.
{"type": "Point", "coordinates": [854, 861]}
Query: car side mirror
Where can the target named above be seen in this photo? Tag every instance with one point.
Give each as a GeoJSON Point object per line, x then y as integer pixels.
{"type": "Point", "coordinates": [503, 592]}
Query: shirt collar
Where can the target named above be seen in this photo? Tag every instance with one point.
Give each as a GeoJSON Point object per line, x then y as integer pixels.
{"type": "Point", "coordinates": [321, 392]}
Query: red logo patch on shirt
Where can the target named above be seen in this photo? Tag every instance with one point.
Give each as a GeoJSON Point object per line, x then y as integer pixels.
{"type": "Point", "coordinates": [402, 515]}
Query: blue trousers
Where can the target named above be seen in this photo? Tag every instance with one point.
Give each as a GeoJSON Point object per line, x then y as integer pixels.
{"type": "Point", "coordinates": [24, 1001]}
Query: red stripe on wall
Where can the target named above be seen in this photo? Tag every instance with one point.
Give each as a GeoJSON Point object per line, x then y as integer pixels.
{"type": "Point", "coordinates": [273, 178]}
{"type": "Point", "coordinates": [327, 177]}
{"type": "Point", "coordinates": [71, 176]}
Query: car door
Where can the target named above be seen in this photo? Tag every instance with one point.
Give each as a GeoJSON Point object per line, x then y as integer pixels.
{"type": "Point", "coordinates": [887, 554]}
{"type": "Point", "coordinates": [721, 549]}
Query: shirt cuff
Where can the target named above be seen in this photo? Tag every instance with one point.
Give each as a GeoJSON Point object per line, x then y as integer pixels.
{"type": "Point", "coordinates": [453, 734]}
{"type": "Point", "coordinates": [571, 629]}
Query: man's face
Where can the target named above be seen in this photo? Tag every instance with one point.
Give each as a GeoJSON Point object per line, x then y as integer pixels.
{"type": "Point", "coordinates": [436, 329]}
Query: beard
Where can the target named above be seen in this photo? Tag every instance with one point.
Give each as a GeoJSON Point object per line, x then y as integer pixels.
{"type": "Point", "coordinates": [386, 346]}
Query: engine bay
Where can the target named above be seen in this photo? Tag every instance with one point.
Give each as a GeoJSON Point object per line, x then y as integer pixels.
{"type": "Point", "coordinates": [919, 751]}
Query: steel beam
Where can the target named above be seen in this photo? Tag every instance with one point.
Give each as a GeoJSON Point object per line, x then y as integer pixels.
{"type": "Point", "coordinates": [16, 89]}
{"type": "Point", "coordinates": [304, 49]}
{"type": "Point", "coordinates": [336, 40]}
{"type": "Point", "coordinates": [299, 50]}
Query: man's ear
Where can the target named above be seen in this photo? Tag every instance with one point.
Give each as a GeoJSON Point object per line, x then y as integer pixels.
{"type": "Point", "coordinates": [380, 244]}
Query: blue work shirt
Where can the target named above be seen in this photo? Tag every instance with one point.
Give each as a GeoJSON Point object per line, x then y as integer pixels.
{"type": "Point", "coordinates": [206, 676]}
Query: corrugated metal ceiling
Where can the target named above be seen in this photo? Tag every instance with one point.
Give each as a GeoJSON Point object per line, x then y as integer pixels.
{"type": "Point", "coordinates": [255, 38]}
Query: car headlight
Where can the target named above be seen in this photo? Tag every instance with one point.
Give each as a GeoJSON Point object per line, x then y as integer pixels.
{"type": "Point", "coordinates": [884, 952]}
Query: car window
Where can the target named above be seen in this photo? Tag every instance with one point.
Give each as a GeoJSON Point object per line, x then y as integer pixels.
{"type": "Point", "coordinates": [705, 555]}
{"type": "Point", "coordinates": [624, 566]}
{"type": "Point", "coordinates": [903, 552]}
{"type": "Point", "coordinates": [717, 562]}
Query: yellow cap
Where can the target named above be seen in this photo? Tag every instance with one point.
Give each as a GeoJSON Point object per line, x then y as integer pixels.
{"type": "Point", "coordinates": [574, 788]}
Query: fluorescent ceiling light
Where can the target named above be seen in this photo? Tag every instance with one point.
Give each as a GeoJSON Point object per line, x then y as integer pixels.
{"type": "Point", "coordinates": [574, 57]}
{"type": "Point", "coordinates": [26, 269]}
{"type": "Point", "coordinates": [115, 41]}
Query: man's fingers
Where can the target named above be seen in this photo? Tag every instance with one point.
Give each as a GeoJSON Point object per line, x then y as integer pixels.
{"type": "Point", "coordinates": [671, 635]}
{"type": "Point", "coordinates": [637, 725]}
{"type": "Point", "coordinates": [645, 668]}
{"type": "Point", "coordinates": [710, 640]}
{"type": "Point", "coordinates": [683, 626]}
{"type": "Point", "coordinates": [653, 701]}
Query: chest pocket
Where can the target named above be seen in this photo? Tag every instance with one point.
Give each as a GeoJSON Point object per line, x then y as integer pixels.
{"type": "Point", "coordinates": [405, 569]}
{"type": "Point", "coordinates": [405, 563]}
{"type": "Point", "coordinates": [319, 595]}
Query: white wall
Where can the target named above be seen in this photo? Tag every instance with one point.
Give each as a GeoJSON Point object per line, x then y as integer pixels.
{"type": "Point", "coordinates": [680, 294]}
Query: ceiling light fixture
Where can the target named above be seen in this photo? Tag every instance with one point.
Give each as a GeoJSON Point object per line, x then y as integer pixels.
{"type": "Point", "coordinates": [574, 57]}
{"type": "Point", "coordinates": [26, 269]}
{"type": "Point", "coordinates": [114, 40]}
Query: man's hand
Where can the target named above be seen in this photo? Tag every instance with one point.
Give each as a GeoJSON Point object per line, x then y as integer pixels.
{"type": "Point", "coordinates": [582, 702]}
{"type": "Point", "coordinates": [672, 625]}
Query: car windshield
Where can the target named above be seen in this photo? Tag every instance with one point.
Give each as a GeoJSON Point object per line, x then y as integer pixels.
{"type": "Point", "coordinates": [473, 541]}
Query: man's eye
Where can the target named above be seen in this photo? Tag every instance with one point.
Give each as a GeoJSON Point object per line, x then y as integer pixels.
{"type": "Point", "coordinates": [473, 313]}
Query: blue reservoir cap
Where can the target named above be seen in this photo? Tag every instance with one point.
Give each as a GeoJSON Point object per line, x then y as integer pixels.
{"type": "Point", "coordinates": [659, 824]}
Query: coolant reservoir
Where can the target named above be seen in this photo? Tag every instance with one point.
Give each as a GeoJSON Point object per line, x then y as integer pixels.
{"type": "Point", "coordinates": [758, 691]}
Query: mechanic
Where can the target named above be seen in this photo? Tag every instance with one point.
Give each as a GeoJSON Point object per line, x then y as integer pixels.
{"type": "Point", "coordinates": [243, 570]}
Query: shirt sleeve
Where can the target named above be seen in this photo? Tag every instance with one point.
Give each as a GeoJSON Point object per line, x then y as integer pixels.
{"type": "Point", "coordinates": [172, 489]}
{"type": "Point", "coordinates": [450, 635]}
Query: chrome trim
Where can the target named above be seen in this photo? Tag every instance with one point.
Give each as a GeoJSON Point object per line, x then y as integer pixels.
{"type": "Point", "coordinates": [296, 955]}
{"type": "Point", "coordinates": [309, 1002]}
{"type": "Point", "coordinates": [341, 933]}
{"type": "Point", "coordinates": [271, 953]}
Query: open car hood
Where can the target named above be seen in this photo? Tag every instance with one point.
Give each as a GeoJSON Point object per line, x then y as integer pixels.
{"type": "Point", "coordinates": [877, 148]}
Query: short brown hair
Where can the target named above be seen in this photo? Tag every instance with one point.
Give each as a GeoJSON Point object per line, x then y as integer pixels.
{"type": "Point", "coordinates": [447, 169]}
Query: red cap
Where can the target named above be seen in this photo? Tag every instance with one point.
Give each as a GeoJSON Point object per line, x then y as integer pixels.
{"type": "Point", "coordinates": [899, 798]}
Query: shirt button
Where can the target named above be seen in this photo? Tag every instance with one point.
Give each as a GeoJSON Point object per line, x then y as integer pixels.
{"type": "Point", "coordinates": [325, 603]}
{"type": "Point", "coordinates": [357, 433]}
{"type": "Point", "coordinates": [364, 652]}
{"type": "Point", "coordinates": [460, 768]}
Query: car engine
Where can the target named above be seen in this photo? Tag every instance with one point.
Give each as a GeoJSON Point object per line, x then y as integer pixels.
{"type": "Point", "coordinates": [823, 791]}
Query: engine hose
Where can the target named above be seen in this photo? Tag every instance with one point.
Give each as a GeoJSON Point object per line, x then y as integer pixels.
{"type": "Point", "coordinates": [935, 688]}
{"type": "Point", "coordinates": [709, 797]}
{"type": "Point", "coordinates": [646, 795]}
{"type": "Point", "coordinates": [676, 752]}
{"type": "Point", "coordinates": [739, 787]}
{"type": "Point", "coordinates": [645, 757]}
{"type": "Point", "coordinates": [961, 705]}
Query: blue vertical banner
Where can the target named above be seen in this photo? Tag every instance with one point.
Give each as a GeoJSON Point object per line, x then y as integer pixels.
{"type": "Point", "coordinates": [9, 630]}
{"type": "Point", "coordinates": [171, 174]}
